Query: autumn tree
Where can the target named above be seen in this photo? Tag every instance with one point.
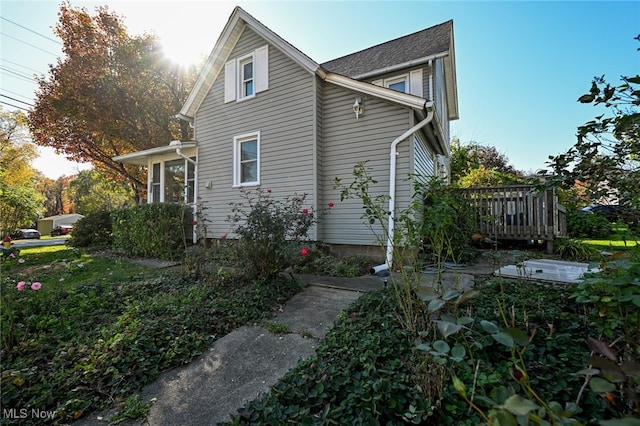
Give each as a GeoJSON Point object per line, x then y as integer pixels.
{"type": "Point", "coordinates": [92, 192]}
{"type": "Point", "coordinates": [20, 202]}
{"type": "Point", "coordinates": [606, 156]}
{"type": "Point", "coordinates": [55, 195]}
{"type": "Point", "coordinates": [110, 94]}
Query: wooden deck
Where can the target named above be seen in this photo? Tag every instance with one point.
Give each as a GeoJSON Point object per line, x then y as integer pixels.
{"type": "Point", "coordinates": [518, 212]}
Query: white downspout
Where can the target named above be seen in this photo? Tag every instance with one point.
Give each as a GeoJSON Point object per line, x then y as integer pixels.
{"type": "Point", "coordinates": [392, 182]}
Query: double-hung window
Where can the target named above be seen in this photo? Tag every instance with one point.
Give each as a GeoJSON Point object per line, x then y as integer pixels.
{"type": "Point", "coordinates": [246, 89]}
{"type": "Point", "coordinates": [398, 84]}
{"type": "Point", "coordinates": [405, 83]}
{"type": "Point", "coordinates": [246, 159]}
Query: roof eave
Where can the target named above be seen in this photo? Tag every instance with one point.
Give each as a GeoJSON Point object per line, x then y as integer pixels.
{"type": "Point", "coordinates": [397, 67]}
{"type": "Point", "coordinates": [141, 157]}
{"type": "Point", "coordinates": [222, 49]}
{"type": "Point", "coordinates": [404, 99]}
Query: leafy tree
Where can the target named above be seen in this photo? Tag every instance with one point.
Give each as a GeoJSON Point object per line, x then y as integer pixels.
{"type": "Point", "coordinates": [20, 202]}
{"type": "Point", "coordinates": [473, 164]}
{"type": "Point", "coordinates": [55, 194]}
{"type": "Point", "coordinates": [606, 155]}
{"type": "Point", "coordinates": [110, 94]}
{"type": "Point", "coordinates": [92, 192]}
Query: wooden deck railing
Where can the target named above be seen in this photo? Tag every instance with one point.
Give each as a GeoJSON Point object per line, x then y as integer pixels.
{"type": "Point", "coordinates": [518, 212]}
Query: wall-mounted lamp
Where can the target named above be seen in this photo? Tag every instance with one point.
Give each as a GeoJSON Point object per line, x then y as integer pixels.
{"type": "Point", "coordinates": [358, 107]}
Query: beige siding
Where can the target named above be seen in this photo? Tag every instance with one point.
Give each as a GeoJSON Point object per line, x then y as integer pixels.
{"type": "Point", "coordinates": [284, 116]}
{"type": "Point", "coordinates": [347, 141]}
{"type": "Point", "coordinates": [424, 163]}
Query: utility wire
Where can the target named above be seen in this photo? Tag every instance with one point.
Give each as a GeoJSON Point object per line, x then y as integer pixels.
{"type": "Point", "coordinates": [16, 100]}
{"type": "Point", "coordinates": [17, 74]}
{"type": "Point", "coordinates": [22, 66]}
{"type": "Point", "coordinates": [15, 106]}
{"type": "Point", "coordinates": [29, 44]}
{"type": "Point", "coordinates": [16, 94]}
{"type": "Point", "coordinates": [30, 30]}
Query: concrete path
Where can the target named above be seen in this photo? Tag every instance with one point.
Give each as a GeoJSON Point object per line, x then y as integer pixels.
{"type": "Point", "coordinates": [241, 365]}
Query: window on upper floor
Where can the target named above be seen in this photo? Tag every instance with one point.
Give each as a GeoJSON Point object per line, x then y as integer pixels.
{"type": "Point", "coordinates": [246, 75]}
{"type": "Point", "coordinates": [246, 159]}
{"type": "Point", "coordinates": [406, 83]}
{"type": "Point", "coordinates": [399, 84]}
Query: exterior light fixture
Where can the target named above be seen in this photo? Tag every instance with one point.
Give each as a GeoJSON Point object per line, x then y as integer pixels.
{"type": "Point", "coordinates": [358, 107]}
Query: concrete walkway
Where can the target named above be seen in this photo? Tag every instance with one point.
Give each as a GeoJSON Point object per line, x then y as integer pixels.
{"type": "Point", "coordinates": [248, 361]}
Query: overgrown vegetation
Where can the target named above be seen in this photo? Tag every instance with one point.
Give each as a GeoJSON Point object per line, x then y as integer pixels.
{"type": "Point", "coordinates": [81, 332]}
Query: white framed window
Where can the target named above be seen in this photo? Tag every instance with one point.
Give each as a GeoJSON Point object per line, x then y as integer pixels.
{"type": "Point", "coordinates": [172, 181]}
{"type": "Point", "coordinates": [246, 159]}
{"type": "Point", "coordinates": [399, 84]}
{"type": "Point", "coordinates": [406, 83]}
{"type": "Point", "coordinates": [246, 75]}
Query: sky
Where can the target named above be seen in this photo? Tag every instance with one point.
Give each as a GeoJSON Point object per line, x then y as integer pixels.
{"type": "Point", "coordinates": [520, 65]}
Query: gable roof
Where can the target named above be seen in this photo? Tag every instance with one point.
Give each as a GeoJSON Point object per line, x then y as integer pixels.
{"type": "Point", "coordinates": [411, 50]}
{"type": "Point", "coordinates": [232, 31]}
{"type": "Point", "coordinates": [414, 49]}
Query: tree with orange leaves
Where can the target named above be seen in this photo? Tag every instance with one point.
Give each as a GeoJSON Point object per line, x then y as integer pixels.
{"type": "Point", "coordinates": [110, 94]}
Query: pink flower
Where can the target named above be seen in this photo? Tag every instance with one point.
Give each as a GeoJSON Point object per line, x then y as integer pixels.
{"type": "Point", "coordinates": [269, 191]}
{"type": "Point", "coordinates": [36, 286]}
{"type": "Point", "coordinates": [305, 211]}
{"type": "Point", "coordinates": [304, 251]}
{"type": "Point", "coordinates": [20, 260]}
{"type": "Point", "coordinates": [223, 236]}
{"type": "Point", "coordinates": [330, 205]}
{"type": "Point", "coordinates": [311, 214]}
{"type": "Point", "coordinates": [21, 285]}
{"type": "Point", "coordinates": [195, 222]}
{"type": "Point", "coordinates": [12, 255]}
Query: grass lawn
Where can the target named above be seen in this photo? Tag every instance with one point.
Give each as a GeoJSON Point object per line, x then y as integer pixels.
{"type": "Point", "coordinates": [82, 331]}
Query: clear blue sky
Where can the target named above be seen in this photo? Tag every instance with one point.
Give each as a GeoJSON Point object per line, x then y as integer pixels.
{"type": "Point", "coordinates": [520, 65]}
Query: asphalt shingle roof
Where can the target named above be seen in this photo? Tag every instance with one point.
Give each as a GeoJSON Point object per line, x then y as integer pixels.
{"type": "Point", "coordinates": [408, 48]}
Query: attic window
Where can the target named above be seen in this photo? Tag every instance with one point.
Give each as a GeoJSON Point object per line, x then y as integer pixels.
{"type": "Point", "coordinates": [246, 75]}
{"type": "Point", "coordinates": [406, 83]}
{"type": "Point", "coordinates": [398, 84]}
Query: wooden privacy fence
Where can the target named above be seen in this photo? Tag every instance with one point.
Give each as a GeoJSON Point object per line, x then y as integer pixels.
{"type": "Point", "coordinates": [518, 212]}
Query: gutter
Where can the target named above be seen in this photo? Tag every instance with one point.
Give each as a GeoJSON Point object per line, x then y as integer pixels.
{"type": "Point", "coordinates": [392, 182]}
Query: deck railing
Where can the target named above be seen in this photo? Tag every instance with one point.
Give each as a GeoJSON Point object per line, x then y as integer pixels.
{"type": "Point", "coordinates": [518, 212]}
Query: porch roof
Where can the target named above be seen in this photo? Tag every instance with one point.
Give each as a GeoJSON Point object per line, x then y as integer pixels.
{"type": "Point", "coordinates": [141, 158]}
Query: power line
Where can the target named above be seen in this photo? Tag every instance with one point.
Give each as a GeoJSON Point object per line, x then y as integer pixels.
{"type": "Point", "coordinates": [17, 74]}
{"type": "Point", "coordinates": [15, 106]}
{"type": "Point", "coordinates": [30, 30]}
{"type": "Point", "coordinates": [28, 44]}
{"type": "Point", "coordinates": [22, 66]}
{"type": "Point", "coordinates": [17, 94]}
{"type": "Point", "coordinates": [16, 100]}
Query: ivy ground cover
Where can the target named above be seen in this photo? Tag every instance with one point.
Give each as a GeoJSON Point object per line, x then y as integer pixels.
{"type": "Point", "coordinates": [81, 331]}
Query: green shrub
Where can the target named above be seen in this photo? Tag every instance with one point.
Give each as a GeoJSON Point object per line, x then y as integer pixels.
{"type": "Point", "coordinates": [93, 230]}
{"type": "Point", "coordinates": [271, 231]}
{"type": "Point", "coordinates": [156, 230]}
{"type": "Point", "coordinates": [584, 225]}
{"type": "Point", "coordinates": [573, 249]}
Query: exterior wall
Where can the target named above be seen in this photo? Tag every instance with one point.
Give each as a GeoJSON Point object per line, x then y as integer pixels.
{"type": "Point", "coordinates": [347, 141]}
{"type": "Point", "coordinates": [284, 116]}
{"type": "Point", "coordinates": [441, 99]}
{"type": "Point", "coordinates": [424, 159]}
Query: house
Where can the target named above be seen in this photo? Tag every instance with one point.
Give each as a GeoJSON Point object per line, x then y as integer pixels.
{"type": "Point", "coordinates": [47, 224]}
{"type": "Point", "coordinates": [265, 114]}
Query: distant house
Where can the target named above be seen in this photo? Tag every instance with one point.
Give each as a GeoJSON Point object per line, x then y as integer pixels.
{"type": "Point", "coordinates": [47, 224]}
{"type": "Point", "coordinates": [265, 114]}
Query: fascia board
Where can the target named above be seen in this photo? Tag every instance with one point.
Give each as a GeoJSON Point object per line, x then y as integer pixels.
{"type": "Point", "coordinates": [221, 51]}
{"type": "Point", "coordinates": [141, 157]}
{"type": "Point", "coordinates": [404, 99]}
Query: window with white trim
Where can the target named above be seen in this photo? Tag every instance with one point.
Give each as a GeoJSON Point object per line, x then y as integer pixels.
{"type": "Point", "coordinates": [246, 159]}
{"type": "Point", "coordinates": [246, 75]}
{"type": "Point", "coordinates": [399, 84]}
{"type": "Point", "coordinates": [172, 181]}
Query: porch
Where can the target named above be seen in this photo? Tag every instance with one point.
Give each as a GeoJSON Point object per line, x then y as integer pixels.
{"type": "Point", "coordinates": [517, 212]}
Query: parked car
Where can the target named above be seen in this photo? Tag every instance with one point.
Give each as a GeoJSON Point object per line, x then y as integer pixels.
{"type": "Point", "coordinates": [23, 234]}
{"type": "Point", "coordinates": [61, 230]}
{"type": "Point", "coordinates": [614, 213]}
